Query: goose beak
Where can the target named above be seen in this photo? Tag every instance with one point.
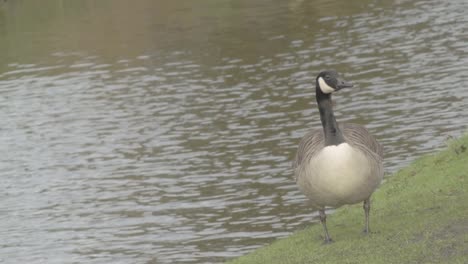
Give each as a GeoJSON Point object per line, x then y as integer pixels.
{"type": "Point", "coordinates": [343, 84]}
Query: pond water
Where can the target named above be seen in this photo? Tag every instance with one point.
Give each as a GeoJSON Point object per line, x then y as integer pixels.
{"type": "Point", "coordinates": [164, 131]}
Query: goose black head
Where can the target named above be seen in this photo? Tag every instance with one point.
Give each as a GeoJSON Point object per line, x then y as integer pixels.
{"type": "Point", "coordinates": [329, 82]}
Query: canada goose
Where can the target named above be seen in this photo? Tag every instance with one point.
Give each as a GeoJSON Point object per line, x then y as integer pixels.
{"type": "Point", "coordinates": [338, 164]}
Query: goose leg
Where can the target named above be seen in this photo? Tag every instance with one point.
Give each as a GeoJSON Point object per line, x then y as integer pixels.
{"type": "Point", "coordinates": [366, 207]}
{"type": "Point", "coordinates": [323, 220]}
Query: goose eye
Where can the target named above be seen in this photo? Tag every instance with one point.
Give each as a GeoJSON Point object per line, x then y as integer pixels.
{"type": "Point", "coordinates": [327, 77]}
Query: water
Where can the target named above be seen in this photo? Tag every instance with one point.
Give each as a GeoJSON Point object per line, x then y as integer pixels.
{"type": "Point", "coordinates": [163, 131]}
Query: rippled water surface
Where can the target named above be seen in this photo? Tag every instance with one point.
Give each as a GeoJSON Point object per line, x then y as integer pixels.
{"type": "Point", "coordinates": [163, 131]}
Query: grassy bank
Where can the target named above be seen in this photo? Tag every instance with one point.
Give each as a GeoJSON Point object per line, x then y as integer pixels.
{"type": "Point", "coordinates": [419, 215]}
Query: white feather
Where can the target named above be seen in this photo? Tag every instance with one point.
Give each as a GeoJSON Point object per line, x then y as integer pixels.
{"type": "Point", "coordinates": [324, 86]}
{"type": "Point", "coordinates": [339, 175]}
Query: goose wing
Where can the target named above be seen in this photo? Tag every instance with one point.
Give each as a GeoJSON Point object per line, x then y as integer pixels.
{"type": "Point", "coordinates": [360, 137]}
{"type": "Point", "coordinates": [356, 135]}
{"type": "Point", "coordinates": [310, 144]}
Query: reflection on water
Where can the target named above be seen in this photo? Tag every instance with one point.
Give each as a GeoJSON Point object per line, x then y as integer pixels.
{"type": "Point", "coordinates": [163, 131]}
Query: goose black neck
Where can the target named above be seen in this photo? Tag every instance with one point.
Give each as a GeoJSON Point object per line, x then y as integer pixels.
{"type": "Point", "coordinates": [333, 135]}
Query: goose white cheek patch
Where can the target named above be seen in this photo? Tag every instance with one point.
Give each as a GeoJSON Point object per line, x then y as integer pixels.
{"type": "Point", "coordinates": [324, 86]}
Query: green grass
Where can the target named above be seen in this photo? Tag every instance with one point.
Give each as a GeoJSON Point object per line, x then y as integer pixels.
{"type": "Point", "coordinates": [419, 215]}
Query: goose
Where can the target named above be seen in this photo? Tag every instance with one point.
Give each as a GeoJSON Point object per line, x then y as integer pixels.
{"type": "Point", "coordinates": [337, 164]}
